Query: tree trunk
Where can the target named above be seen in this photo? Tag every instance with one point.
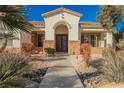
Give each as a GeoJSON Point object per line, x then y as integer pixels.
{"type": "Point", "coordinates": [3, 44]}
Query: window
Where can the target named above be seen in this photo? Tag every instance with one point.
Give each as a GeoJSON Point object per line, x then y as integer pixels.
{"type": "Point", "coordinates": [93, 40]}
{"type": "Point", "coordinates": [89, 39]}
{"type": "Point", "coordinates": [84, 38]}
{"type": "Point", "coordinates": [40, 40]}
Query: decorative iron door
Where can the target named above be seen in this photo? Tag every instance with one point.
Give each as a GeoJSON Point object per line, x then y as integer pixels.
{"type": "Point", "coordinates": [62, 43]}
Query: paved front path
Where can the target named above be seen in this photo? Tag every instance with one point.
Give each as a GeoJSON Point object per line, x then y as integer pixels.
{"type": "Point", "coordinates": [61, 75]}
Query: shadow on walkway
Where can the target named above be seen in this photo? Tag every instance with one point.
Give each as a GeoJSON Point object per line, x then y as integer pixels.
{"type": "Point", "coordinates": [61, 82]}
{"type": "Point", "coordinates": [61, 75]}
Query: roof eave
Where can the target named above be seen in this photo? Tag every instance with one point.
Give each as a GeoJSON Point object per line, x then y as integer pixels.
{"type": "Point", "coordinates": [61, 10]}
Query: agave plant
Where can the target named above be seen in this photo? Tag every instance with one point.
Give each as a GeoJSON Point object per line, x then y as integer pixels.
{"type": "Point", "coordinates": [113, 67]}
{"type": "Point", "coordinates": [12, 66]}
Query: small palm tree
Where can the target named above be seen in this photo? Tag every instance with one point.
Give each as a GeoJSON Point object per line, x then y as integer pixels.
{"type": "Point", "coordinates": [109, 16]}
{"type": "Point", "coordinates": [12, 21]}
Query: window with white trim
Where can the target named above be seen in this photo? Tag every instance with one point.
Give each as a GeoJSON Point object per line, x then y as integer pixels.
{"type": "Point", "coordinates": [89, 39]}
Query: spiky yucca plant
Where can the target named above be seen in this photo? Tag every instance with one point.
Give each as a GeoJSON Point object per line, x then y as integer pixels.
{"type": "Point", "coordinates": [120, 44]}
{"type": "Point", "coordinates": [113, 67]}
{"type": "Point", "coordinates": [12, 65]}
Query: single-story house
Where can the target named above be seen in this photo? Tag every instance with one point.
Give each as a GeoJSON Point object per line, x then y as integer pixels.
{"type": "Point", "coordinates": [63, 31]}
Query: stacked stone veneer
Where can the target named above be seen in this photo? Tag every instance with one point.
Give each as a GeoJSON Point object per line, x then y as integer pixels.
{"type": "Point", "coordinates": [96, 50]}
{"type": "Point", "coordinates": [74, 47]}
{"type": "Point", "coordinates": [49, 44]}
{"type": "Point", "coordinates": [14, 50]}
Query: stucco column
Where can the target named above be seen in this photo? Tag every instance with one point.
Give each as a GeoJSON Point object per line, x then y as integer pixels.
{"type": "Point", "coordinates": [109, 39]}
{"type": "Point", "coordinates": [74, 47]}
{"type": "Point", "coordinates": [74, 42]}
{"type": "Point", "coordinates": [49, 41]}
{"type": "Point", "coordinates": [102, 41]}
{"type": "Point", "coordinates": [96, 41]}
{"type": "Point", "coordinates": [17, 42]}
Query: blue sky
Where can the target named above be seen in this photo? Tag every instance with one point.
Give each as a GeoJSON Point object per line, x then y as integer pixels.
{"type": "Point", "coordinates": [89, 11]}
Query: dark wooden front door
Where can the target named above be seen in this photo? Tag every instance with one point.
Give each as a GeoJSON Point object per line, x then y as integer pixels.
{"type": "Point", "coordinates": [62, 43]}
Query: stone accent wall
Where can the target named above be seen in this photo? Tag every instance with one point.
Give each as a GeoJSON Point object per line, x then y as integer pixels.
{"type": "Point", "coordinates": [96, 50]}
{"type": "Point", "coordinates": [15, 50]}
{"type": "Point", "coordinates": [74, 47]}
{"type": "Point", "coordinates": [49, 43]}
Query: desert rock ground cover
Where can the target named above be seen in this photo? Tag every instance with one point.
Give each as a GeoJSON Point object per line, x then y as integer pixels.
{"type": "Point", "coordinates": [103, 72]}
{"type": "Point", "coordinates": [35, 74]}
{"type": "Point", "coordinates": [90, 76]}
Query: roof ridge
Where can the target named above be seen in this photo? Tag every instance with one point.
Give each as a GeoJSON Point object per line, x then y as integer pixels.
{"type": "Point", "coordinates": [60, 10]}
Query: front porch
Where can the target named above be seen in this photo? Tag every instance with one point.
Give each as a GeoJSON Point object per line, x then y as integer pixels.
{"type": "Point", "coordinates": [64, 46]}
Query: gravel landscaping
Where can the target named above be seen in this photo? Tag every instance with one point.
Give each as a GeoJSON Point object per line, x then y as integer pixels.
{"type": "Point", "coordinates": [92, 80]}
{"type": "Point", "coordinates": [34, 78]}
{"type": "Point", "coordinates": [91, 77]}
{"type": "Point", "coordinates": [35, 74]}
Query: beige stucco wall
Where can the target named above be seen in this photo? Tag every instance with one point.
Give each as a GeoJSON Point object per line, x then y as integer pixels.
{"type": "Point", "coordinates": [13, 43]}
{"type": "Point", "coordinates": [25, 37]}
{"type": "Point", "coordinates": [17, 40]}
{"type": "Point", "coordinates": [70, 20]}
{"type": "Point", "coordinates": [9, 43]}
{"type": "Point", "coordinates": [109, 38]}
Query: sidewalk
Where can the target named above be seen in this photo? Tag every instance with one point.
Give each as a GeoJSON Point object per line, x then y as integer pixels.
{"type": "Point", "coordinates": [61, 75]}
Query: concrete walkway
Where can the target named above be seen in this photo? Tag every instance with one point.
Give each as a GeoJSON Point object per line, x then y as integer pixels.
{"type": "Point", "coordinates": [61, 75]}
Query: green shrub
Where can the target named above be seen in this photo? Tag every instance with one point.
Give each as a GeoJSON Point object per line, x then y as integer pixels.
{"type": "Point", "coordinates": [12, 66]}
{"type": "Point", "coordinates": [49, 51]}
{"type": "Point", "coordinates": [113, 67]}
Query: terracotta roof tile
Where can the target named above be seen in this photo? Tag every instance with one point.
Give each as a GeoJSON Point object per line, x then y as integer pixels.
{"type": "Point", "coordinates": [38, 24]}
{"type": "Point", "coordinates": [86, 25]}
{"type": "Point", "coordinates": [94, 25]}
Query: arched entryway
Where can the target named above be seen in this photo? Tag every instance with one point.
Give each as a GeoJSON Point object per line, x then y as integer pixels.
{"type": "Point", "coordinates": [61, 38]}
